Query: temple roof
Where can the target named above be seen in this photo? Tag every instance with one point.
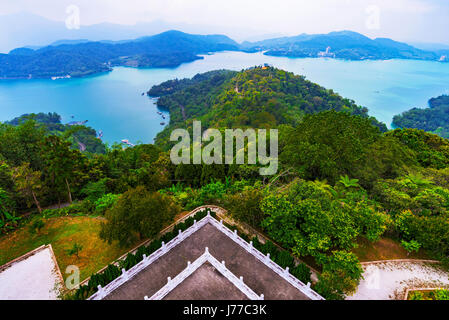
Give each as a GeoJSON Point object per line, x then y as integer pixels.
{"type": "Point", "coordinates": [207, 261]}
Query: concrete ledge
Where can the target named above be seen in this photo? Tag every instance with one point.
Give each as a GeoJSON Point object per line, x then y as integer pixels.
{"type": "Point", "coordinates": [401, 260]}
{"type": "Point", "coordinates": [34, 275]}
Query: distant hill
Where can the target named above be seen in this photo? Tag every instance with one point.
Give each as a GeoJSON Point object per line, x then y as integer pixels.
{"type": "Point", "coordinates": [344, 45]}
{"type": "Point", "coordinates": [434, 119]}
{"type": "Point", "coordinates": [260, 97]}
{"type": "Point", "coordinates": [34, 31]}
{"type": "Point", "coordinates": [168, 49]}
{"type": "Point", "coordinates": [82, 137]}
{"type": "Point", "coordinates": [81, 57]}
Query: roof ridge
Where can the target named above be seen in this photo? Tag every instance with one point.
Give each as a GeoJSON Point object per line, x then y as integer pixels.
{"type": "Point", "coordinates": [192, 267]}
{"type": "Point", "coordinates": [165, 248]}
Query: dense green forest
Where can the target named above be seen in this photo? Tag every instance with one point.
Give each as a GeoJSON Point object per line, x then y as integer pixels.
{"type": "Point", "coordinates": [165, 50]}
{"type": "Point", "coordinates": [81, 137]}
{"type": "Point", "coordinates": [433, 119]}
{"type": "Point", "coordinates": [260, 97]}
{"type": "Point", "coordinates": [341, 178]}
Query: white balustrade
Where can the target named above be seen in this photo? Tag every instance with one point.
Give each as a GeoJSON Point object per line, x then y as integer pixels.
{"type": "Point", "coordinates": [284, 273]}
{"type": "Point", "coordinates": [268, 262]}
{"type": "Point", "coordinates": [191, 268]}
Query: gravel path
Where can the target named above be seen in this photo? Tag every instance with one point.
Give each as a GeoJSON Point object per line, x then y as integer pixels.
{"type": "Point", "coordinates": [390, 280]}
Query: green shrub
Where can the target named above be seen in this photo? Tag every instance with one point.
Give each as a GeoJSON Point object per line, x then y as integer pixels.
{"type": "Point", "coordinates": [441, 294]}
{"type": "Point", "coordinates": [411, 246]}
{"type": "Point", "coordinates": [416, 296]}
{"type": "Point", "coordinates": [301, 272]}
{"type": "Point", "coordinates": [94, 190]}
{"type": "Point", "coordinates": [270, 247]}
{"type": "Point", "coordinates": [189, 222]}
{"type": "Point", "coordinates": [130, 261]}
{"type": "Point", "coordinates": [84, 207]}
{"type": "Point", "coordinates": [257, 244]}
{"type": "Point", "coordinates": [212, 192]}
{"type": "Point", "coordinates": [284, 259]}
{"type": "Point", "coordinates": [105, 202]}
{"type": "Point", "coordinates": [36, 226]}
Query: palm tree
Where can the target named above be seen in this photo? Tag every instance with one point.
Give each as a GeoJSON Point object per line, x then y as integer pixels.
{"type": "Point", "coordinates": [419, 180]}
{"type": "Point", "coordinates": [349, 183]}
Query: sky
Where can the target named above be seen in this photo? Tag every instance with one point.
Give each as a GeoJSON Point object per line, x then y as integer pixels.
{"type": "Point", "coordinates": [404, 20]}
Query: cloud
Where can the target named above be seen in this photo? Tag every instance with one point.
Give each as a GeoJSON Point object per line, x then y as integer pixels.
{"type": "Point", "coordinates": [398, 18]}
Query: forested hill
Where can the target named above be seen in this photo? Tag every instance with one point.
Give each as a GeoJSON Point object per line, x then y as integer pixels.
{"type": "Point", "coordinates": [259, 97]}
{"type": "Point", "coordinates": [168, 49]}
{"type": "Point", "coordinates": [172, 48]}
{"type": "Point", "coordinates": [344, 45]}
{"type": "Point", "coordinates": [83, 138]}
{"type": "Point", "coordinates": [434, 119]}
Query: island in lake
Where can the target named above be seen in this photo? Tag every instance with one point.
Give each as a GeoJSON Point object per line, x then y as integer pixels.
{"type": "Point", "coordinates": [434, 119]}
{"type": "Point", "coordinates": [258, 97]}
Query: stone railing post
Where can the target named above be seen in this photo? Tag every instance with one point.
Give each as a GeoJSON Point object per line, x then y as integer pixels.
{"type": "Point", "coordinates": [100, 292]}
{"type": "Point", "coordinates": [268, 257]}
{"type": "Point", "coordinates": [124, 274]}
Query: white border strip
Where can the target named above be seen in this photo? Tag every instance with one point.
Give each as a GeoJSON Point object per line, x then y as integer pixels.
{"type": "Point", "coordinates": [192, 267]}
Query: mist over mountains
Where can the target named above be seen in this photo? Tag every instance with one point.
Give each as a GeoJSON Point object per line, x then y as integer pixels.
{"type": "Point", "coordinates": [98, 48]}
{"type": "Point", "coordinates": [29, 30]}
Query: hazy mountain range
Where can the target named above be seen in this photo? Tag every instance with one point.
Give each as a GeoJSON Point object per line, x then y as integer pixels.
{"type": "Point", "coordinates": [98, 48]}
{"type": "Point", "coordinates": [165, 50]}
{"type": "Point", "coordinates": [35, 31]}
{"type": "Point", "coordinates": [343, 44]}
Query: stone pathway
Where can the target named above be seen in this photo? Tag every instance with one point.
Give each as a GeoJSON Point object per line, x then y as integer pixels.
{"type": "Point", "coordinates": [390, 280]}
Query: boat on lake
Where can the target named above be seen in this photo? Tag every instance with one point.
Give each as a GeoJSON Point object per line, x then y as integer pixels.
{"type": "Point", "coordinates": [126, 141]}
{"type": "Point", "coordinates": [77, 123]}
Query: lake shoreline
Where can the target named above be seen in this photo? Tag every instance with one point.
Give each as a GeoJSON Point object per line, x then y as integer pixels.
{"type": "Point", "coordinates": [201, 56]}
{"type": "Point", "coordinates": [113, 101]}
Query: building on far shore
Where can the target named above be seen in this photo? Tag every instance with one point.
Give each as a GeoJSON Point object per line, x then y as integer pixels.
{"type": "Point", "coordinates": [327, 53]}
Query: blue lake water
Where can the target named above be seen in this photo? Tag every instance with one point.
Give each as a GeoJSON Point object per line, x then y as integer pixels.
{"type": "Point", "coordinates": [113, 102]}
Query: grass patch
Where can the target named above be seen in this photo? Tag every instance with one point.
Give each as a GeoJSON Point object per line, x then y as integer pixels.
{"type": "Point", "coordinates": [62, 233]}
{"type": "Point", "coordinates": [384, 249]}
